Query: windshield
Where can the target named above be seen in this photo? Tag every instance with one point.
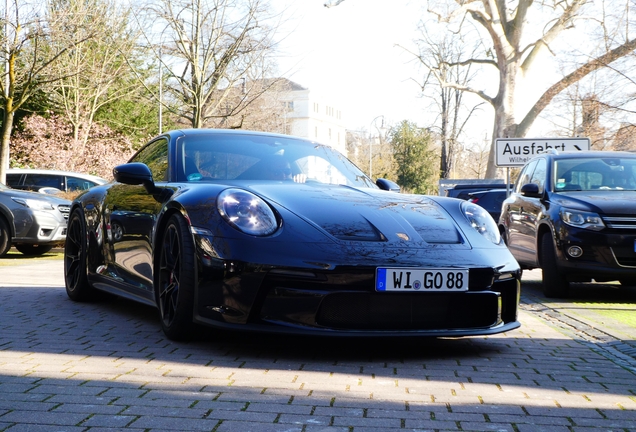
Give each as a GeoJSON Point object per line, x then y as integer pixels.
{"type": "Point", "coordinates": [263, 157]}
{"type": "Point", "coordinates": [594, 174]}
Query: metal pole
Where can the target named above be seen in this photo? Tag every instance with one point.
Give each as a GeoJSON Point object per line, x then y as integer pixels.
{"type": "Point", "coordinates": [371, 157]}
{"type": "Point", "coordinates": [160, 90]}
{"type": "Point", "coordinates": [371, 144]}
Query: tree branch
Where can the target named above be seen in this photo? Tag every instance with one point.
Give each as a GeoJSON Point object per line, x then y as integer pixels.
{"type": "Point", "coordinates": [571, 78]}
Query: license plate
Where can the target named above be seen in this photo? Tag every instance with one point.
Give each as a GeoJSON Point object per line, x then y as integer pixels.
{"type": "Point", "coordinates": [421, 279]}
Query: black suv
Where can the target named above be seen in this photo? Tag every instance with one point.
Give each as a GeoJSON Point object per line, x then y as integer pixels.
{"type": "Point", "coordinates": [574, 215]}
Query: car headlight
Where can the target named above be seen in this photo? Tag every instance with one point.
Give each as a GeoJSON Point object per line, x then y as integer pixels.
{"type": "Point", "coordinates": [481, 221]}
{"type": "Point", "coordinates": [34, 203]}
{"type": "Point", "coordinates": [246, 212]}
{"type": "Point", "coordinates": [581, 219]}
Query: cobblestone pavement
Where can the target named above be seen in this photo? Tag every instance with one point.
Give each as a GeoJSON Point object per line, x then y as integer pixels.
{"type": "Point", "coordinates": [106, 366]}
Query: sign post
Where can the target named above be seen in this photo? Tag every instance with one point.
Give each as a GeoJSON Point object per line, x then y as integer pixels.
{"type": "Point", "coordinates": [516, 152]}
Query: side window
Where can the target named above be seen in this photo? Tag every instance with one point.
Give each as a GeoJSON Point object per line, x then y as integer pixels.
{"type": "Point", "coordinates": [74, 183]}
{"type": "Point", "coordinates": [13, 180]}
{"type": "Point", "coordinates": [155, 155]}
{"type": "Point", "coordinates": [539, 175]}
{"type": "Point", "coordinates": [44, 180]}
{"type": "Point", "coordinates": [525, 176]}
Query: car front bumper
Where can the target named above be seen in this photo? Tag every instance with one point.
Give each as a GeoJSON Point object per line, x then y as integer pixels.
{"type": "Point", "coordinates": [604, 255]}
{"type": "Point", "coordinates": [341, 300]}
{"type": "Point", "coordinates": [39, 227]}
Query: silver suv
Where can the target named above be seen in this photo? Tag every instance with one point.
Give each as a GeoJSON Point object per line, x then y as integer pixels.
{"type": "Point", "coordinates": [31, 222]}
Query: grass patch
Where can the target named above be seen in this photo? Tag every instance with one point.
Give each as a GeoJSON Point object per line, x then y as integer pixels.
{"type": "Point", "coordinates": [13, 257]}
{"type": "Point", "coordinates": [627, 317]}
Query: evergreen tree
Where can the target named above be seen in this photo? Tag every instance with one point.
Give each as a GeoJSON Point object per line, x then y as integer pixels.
{"type": "Point", "coordinates": [417, 163]}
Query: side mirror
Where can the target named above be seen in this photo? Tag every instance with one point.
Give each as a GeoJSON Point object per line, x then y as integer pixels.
{"type": "Point", "coordinates": [530, 190]}
{"type": "Point", "coordinates": [387, 185]}
{"type": "Point", "coordinates": [135, 173]}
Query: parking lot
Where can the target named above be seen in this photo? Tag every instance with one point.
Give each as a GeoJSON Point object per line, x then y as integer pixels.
{"type": "Point", "coordinates": [67, 366]}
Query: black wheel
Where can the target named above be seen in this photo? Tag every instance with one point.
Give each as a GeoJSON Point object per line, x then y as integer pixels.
{"type": "Point", "coordinates": [175, 280]}
{"type": "Point", "coordinates": [5, 237]}
{"type": "Point", "coordinates": [504, 237]}
{"type": "Point", "coordinates": [29, 249]}
{"type": "Point", "coordinates": [555, 284]}
{"type": "Point", "coordinates": [75, 251]}
{"type": "Point", "coordinates": [117, 230]}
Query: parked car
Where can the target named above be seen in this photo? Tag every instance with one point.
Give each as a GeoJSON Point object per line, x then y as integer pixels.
{"type": "Point", "coordinates": [463, 191]}
{"type": "Point", "coordinates": [574, 216]}
{"type": "Point", "coordinates": [266, 232]}
{"type": "Point", "coordinates": [491, 200]}
{"type": "Point", "coordinates": [31, 222]}
{"type": "Point", "coordinates": [44, 180]}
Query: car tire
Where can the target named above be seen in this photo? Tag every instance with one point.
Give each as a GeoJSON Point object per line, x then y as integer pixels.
{"type": "Point", "coordinates": [75, 260]}
{"type": "Point", "coordinates": [555, 284]}
{"type": "Point", "coordinates": [175, 280]}
{"type": "Point", "coordinates": [117, 230]}
{"type": "Point", "coordinates": [5, 237]}
{"type": "Point", "coordinates": [33, 250]}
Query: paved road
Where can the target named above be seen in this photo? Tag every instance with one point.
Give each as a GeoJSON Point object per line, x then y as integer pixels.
{"type": "Point", "coordinates": [106, 366]}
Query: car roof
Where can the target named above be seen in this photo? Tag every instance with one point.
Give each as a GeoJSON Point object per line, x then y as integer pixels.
{"type": "Point", "coordinates": [96, 179]}
{"type": "Point", "coordinates": [589, 154]}
{"type": "Point", "coordinates": [204, 131]}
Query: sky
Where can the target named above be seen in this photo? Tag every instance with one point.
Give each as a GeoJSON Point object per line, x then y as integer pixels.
{"type": "Point", "coordinates": [348, 54]}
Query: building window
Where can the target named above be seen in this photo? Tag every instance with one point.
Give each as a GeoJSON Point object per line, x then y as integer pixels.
{"type": "Point", "coordinates": [316, 131]}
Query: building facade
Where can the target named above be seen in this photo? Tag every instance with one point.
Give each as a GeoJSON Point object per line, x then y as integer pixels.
{"type": "Point", "coordinates": [309, 116]}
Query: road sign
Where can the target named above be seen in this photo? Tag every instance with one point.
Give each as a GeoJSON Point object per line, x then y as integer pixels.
{"type": "Point", "coordinates": [515, 152]}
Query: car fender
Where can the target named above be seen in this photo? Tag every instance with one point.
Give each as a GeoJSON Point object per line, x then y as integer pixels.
{"type": "Point", "coordinates": [8, 216]}
{"type": "Point", "coordinates": [543, 228]}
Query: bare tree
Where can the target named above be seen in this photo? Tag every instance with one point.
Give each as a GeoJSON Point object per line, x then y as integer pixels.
{"type": "Point", "coordinates": [266, 111]}
{"type": "Point", "coordinates": [436, 55]}
{"type": "Point", "coordinates": [210, 48]}
{"type": "Point", "coordinates": [515, 52]}
{"type": "Point", "coordinates": [27, 67]}
{"type": "Point", "coordinates": [599, 107]}
{"type": "Point", "coordinates": [363, 145]}
{"type": "Point", "coordinates": [95, 71]}
{"type": "Point", "coordinates": [472, 160]}
{"type": "Point", "coordinates": [518, 34]}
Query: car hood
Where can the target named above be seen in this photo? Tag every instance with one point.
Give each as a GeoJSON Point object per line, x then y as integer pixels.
{"type": "Point", "coordinates": [34, 195]}
{"type": "Point", "coordinates": [603, 201]}
{"type": "Point", "coordinates": [351, 214]}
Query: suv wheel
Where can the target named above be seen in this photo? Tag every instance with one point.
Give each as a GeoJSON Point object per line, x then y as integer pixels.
{"type": "Point", "coordinates": [555, 284]}
{"type": "Point", "coordinates": [5, 237]}
{"type": "Point", "coordinates": [34, 250]}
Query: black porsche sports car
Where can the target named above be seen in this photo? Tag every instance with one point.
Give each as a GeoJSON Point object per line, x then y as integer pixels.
{"type": "Point", "coordinates": [258, 231]}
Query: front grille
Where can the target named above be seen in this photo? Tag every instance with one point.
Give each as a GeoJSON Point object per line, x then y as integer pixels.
{"type": "Point", "coordinates": [65, 210]}
{"type": "Point", "coordinates": [382, 311]}
{"type": "Point", "coordinates": [625, 256]}
{"type": "Point", "coordinates": [620, 222]}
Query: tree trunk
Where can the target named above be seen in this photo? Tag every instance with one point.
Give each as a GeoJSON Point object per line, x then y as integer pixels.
{"type": "Point", "coordinates": [7, 127]}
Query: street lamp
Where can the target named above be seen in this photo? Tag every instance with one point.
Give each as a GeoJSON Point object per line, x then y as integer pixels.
{"type": "Point", "coordinates": [371, 143]}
